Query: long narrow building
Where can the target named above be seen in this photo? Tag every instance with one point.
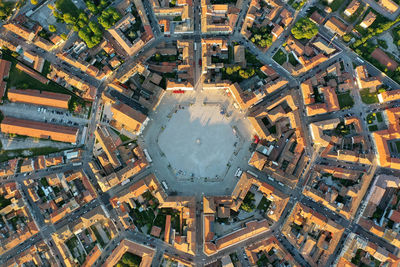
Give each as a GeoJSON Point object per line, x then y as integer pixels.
{"type": "Point", "coordinates": [38, 129]}
{"type": "Point", "coordinates": [35, 97]}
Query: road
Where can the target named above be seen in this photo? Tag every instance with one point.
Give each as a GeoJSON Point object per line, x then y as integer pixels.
{"type": "Point", "coordinates": [346, 55]}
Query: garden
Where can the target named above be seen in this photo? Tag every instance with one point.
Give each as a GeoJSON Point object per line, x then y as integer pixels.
{"type": "Point", "coordinates": [248, 202]}
{"type": "Point", "coordinates": [345, 100]}
{"type": "Point", "coordinates": [237, 74]}
{"type": "Point", "coordinates": [261, 36]}
{"type": "Point", "coordinates": [264, 204]}
{"type": "Point", "coordinates": [375, 121]}
{"type": "Point", "coordinates": [367, 97]}
{"type": "Point", "coordinates": [88, 30]}
{"type": "Point", "coordinates": [129, 260]}
{"type": "Point", "coordinates": [280, 57]}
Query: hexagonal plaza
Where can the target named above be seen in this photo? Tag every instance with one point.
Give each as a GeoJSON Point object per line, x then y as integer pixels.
{"type": "Point", "coordinates": [198, 141]}
{"type": "Point", "coordinates": [198, 138]}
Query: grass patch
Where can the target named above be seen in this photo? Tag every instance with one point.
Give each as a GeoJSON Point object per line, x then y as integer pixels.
{"type": "Point", "coordinates": [124, 138]}
{"type": "Point", "coordinates": [293, 60]}
{"type": "Point", "coordinates": [298, 5]}
{"type": "Point", "coordinates": [379, 117]}
{"type": "Point", "coordinates": [373, 128]}
{"type": "Point", "coordinates": [280, 57]}
{"type": "Point", "coordinates": [129, 259]}
{"type": "Point", "coordinates": [4, 202]}
{"type": "Point", "coordinates": [98, 236]}
{"type": "Point", "coordinates": [67, 6]}
{"type": "Point", "coordinates": [46, 68]}
{"type": "Point", "coordinates": [345, 100]}
{"type": "Point", "coordinates": [336, 5]}
{"type": "Point", "coordinates": [72, 243]}
{"type": "Point", "coordinates": [248, 202]}
{"type": "Point", "coordinates": [398, 146]}
{"type": "Point", "coordinates": [367, 97]}
{"type": "Point", "coordinates": [264, 204]}
{"type": "Point", "coordinates": [370, 118]}
{"type": "Point", "coordinates": [21, 80]}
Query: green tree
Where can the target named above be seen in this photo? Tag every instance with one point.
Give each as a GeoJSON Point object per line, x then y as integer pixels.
{"type": "Point", "coordinates": [34, 2]}
{"type": "Point", "coordinates": [52, 28]}
{"type": "Point", "coordinates": [304, 28]}
{"type": "Point", "coordinates": [95, 28]}
{"type": "Point", "coordinates": [69, 19]}
{"type": "Point", "coordinates": [92, 7]}
{"type": "Point", "coordinates": [109, 17]}
{"type": "Point", "coordinates": [83, 17]}
{"type": "Point", "coordinates": [58, 15]}
{"type": "Point", "coordinates": [91, 34]}
{"type": "Point", "coordinates": [347, 38]}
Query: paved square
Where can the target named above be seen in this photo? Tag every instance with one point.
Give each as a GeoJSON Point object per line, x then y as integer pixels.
{"type": "Point", "coordinates": [198, 139]}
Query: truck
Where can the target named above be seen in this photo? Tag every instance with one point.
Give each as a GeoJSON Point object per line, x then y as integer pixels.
{"type": "Point", "coordinates": [148, 158]}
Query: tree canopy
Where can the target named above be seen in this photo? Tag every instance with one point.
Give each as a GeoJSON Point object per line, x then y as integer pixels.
{"type": "Point", "coordinates": [262, 40]}
{"type": "Point", "coordinates": [304, 28]}
{"type": "Point", "coordinates": [52, 28]}
{"type": "Point", "coordinates": [96, 9]}
{"type": "Point", "coordinates": [91, 34]}
{"type": "Point", "coordinates": [5, 9]}
{"type": "Point", "coordinates": [109, 17]}
{"type": "Point", "coordinates": [129, 260]}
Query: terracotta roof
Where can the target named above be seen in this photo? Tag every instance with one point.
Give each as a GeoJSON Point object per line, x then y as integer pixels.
{"type": "Point", "coordinates": [317, 18]}
{"type": "Point", "coordinates": [258, 160]}
{"type": "Point", "coordinates": [389, 5]}
{"type": "Point", "coordinates": [384, 59]}
{"type": "Point", "coordinates": [368, 20]}
{"type": "Point", "coordinates": [32, 73]}
{"type": "Point", "coordinates": [336, 26]}
{"type": "Point", "coordinates": [388, 96]}
{"type": "Point", "coordinates": [352, 7]}
{"type": "Point", "coordinates": [155, 231]}
{"type": "Point", "coordinates": [37, 97]}
{"type": "Point", "coordinates": [39, 129]}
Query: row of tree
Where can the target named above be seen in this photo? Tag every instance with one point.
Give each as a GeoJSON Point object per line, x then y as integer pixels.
{"type": "Point", "coordinates": [372, 31]}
